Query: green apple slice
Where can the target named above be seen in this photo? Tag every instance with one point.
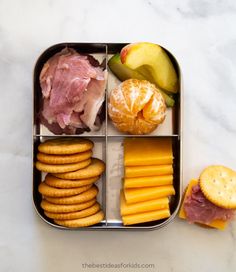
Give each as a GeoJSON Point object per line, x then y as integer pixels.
{"type": "Point", "coordinates": [151, 60]}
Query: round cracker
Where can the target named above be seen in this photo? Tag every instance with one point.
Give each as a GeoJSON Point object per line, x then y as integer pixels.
{"type": "Point", "coordinates": [94, 169]}
{"type": "Point", "coordinates": [64, 146]}
{"type": "Point", "coordinates": [55, 208]}
{"type": "Point", "coordinates": [47, 190]}
{"type": "Point", "coordinates": [64, 159]}
{"type": "Point", "coordinates": [61, 168]}
{"type": "Point", "coordinates": [82, 222]}
{"type": "Point", "coordinates": [66, 183]}
{"type": "Point", "coordinates": [74, 215]}
{"type": "Point", "coordinates": [80, 198]}
{"type": "Point", "coordinates": [218, 184]}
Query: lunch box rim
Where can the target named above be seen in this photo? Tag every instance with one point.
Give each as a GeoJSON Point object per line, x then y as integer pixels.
{"type": "Point", "coordinates": [180, 138]}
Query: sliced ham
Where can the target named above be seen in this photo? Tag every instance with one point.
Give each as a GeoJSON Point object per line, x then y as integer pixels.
{"type": "Point", "coordinates": [91, 102]}
{"type": "Point", "coordinates": [73, 91]}
{"type": "Point", "coordinates": [200, 210]}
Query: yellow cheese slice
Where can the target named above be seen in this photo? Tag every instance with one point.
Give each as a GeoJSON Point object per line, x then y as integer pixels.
{"type": "Point", "coordinates": [144, 194]}
{"type": "Point", "coordinates": [148, 181]}
{"type": "Point", "coordinates": [147, 151]}
{"type": "Point", "coordinates": [145, 206]}
{"type": "Point", "coordinates": [148, 170]}
{"type": "Point", "coordinates": [145, 217]}
{"type": "Point", "coordinates": [218, 224]}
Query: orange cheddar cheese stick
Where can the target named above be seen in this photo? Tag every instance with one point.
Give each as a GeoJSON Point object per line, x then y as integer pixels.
{"type": "Point", "coordinates": [145, 217]}
{"type": "Point", "coordinates": [148, 170]}
{"type": "Point", "coordinates": [140, 207]}
{"type": "Point", "coordinates": [148, 181]}
{"type": "Point", "coordinates": [144, 194]}
{"type": "Point", "coordinates": [147, 151]}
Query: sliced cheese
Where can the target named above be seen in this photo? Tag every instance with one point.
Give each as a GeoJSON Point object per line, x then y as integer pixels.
{"type": "Point", "coordinates": [148, 170]}
{"type": "Point", "coordinates": [148, 181]}
{"type": "Point", "coordinates": [144, 194]}
{"type": "Point", "coordinates": [145, 217]}
{"type": "Point", "coordinates": [147, 151]}
{"type": "Point", "coordinates": [145, 206]}
{"type": "Point", "coordinates": [218, 224]}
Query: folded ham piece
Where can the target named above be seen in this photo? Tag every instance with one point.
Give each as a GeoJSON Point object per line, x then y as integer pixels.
{"type": "Point", "coordinates": [201, 210]}
{"type": "Point", "coordinates": [73, 90]}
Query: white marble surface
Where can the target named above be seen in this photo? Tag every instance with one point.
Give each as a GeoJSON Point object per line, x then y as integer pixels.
{"type": "Point", "coordinates": [202, 36]}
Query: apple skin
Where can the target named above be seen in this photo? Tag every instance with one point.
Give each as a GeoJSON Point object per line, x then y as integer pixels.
{"type": "Point", "coordinates": [125, 50]}
{"type": "Point", "coordinates": [152, 61]}
{"type": "Point", "coordinates": [121, 71]}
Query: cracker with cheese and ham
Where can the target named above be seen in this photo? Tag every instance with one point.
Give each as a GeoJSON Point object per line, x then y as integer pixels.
{"type": "Point", "coordinates": [210, 200]}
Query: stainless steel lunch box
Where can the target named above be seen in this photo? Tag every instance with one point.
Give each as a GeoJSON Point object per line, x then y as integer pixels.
{"type": "Point", "coordinates": [108, 143]}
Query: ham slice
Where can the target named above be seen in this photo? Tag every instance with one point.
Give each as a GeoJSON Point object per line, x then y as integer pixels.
{"type": "Point", "coordinates": [73, 91]}
{"type": "Point", "coordinates": [91, 102]}
{"type": "Point", "coordinates": [199, 209]}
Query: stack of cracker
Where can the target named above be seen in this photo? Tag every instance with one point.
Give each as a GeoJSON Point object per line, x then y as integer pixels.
{"type": "Point", "coordinates": [68, 190]}
{"type": "Point", "coordinates": [148, 180]}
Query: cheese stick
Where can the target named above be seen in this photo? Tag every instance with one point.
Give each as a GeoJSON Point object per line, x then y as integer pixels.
{"type": "Point", "coordinates": [148, 181]}
{"type": "Point", "coordinates": [145, 217]}
{"type": "Point", "coordinates": [140, 207]}
{"type": "Point", "coordinates": [148, 170]}
{"type": "Point", "coordinates": [155, 151]}
{"type": "Point", "coordinates": [144, 194]}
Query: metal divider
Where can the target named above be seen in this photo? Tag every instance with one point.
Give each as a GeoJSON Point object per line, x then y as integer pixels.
{"type": "Point", "coordinates": [104, 188]}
